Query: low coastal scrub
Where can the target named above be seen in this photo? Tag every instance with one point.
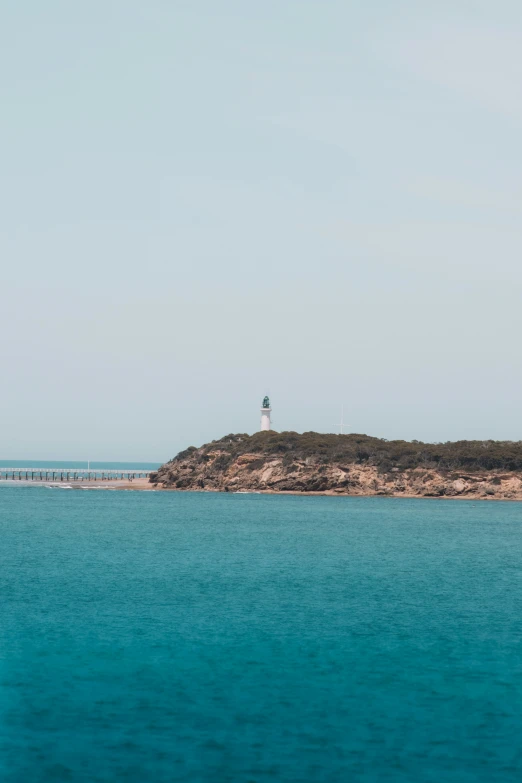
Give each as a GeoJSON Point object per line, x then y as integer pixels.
{"type": "Point", "coordinates": [385, 455]}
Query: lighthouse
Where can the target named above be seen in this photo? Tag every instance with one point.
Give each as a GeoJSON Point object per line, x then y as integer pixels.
{"type": "Point", "coordinates": [266, 410]}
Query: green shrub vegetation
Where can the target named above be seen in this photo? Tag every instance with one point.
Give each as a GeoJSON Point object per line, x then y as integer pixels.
{"type": "Point", "coordinates": [466, 455]}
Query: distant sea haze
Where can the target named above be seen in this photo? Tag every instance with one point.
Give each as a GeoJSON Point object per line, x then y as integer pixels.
{"type": "Point", "coordinates": [77, 464]}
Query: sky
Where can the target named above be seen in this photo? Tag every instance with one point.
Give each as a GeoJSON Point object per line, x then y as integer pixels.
{"type": "Point", "coordinates": [205, 202]}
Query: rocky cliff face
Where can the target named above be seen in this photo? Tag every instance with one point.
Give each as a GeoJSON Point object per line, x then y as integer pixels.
{"type": "Point", "coordinates": [239, 464]}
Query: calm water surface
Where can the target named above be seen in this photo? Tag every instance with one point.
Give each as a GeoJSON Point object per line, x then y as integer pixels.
{"type": "Point", "coordinates": [76, 464]}
{"type": "Point", "coordinates": [158, 637]}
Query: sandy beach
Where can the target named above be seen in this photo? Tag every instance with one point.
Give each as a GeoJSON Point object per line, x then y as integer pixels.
{"type": "Point", "coordinates": [137, 483]}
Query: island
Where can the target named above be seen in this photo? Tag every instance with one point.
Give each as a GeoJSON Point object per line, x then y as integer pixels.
{"type": "Point", "coordinates": [329, 464]}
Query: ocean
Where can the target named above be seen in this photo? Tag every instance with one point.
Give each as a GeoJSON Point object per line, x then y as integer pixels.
{"type": "Point", "coordinates": [76, 464]}
{"type": "Point", "coordinates": [159, 637]}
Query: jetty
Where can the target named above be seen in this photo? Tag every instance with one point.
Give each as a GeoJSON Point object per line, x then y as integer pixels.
{"type": "Point", "coordinates": [70, 474]}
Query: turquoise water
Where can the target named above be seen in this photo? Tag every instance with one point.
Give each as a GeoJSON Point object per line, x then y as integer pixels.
{"type": "Point", "coordinates": [152, 636]}
{"type": "Point", "coordinates": [76, 464]}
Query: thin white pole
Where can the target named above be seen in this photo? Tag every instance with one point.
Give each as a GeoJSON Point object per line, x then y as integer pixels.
{"type": "Point", "coordinates": [341, 425]}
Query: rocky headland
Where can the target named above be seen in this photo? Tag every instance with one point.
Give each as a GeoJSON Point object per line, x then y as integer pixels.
{"type": "Point", "coordinates": [315, 463]}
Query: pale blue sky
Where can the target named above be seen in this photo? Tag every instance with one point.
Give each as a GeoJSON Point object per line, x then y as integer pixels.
{"type": "Point", "coordinates": [202, 201]}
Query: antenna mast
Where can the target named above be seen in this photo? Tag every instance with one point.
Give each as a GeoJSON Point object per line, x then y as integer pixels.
{"type": "Point", "coordinates": [341, 425]}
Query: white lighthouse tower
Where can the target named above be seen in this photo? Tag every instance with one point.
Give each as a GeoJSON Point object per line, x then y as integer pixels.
{"type": "Point", "coordinates": [266, 410]}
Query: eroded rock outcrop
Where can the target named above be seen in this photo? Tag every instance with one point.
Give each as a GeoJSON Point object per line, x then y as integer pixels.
{"type": "Point", "coordinates": [267, 462]}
